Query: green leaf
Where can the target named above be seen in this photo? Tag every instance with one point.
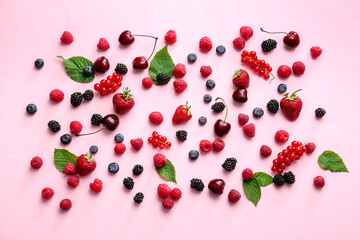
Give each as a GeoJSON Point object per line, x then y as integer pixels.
{"type": "Point", "coordinates": [331, 161]}
{"type": "Point", "coordinates": [74, 68]}
{"type": "Point", "coordinates": [167, 171]}
{"type": "Point", "coordinates": [62, 157]}
{"type": "Point", "coordinates": [161, 63]}
{"type": "Point", "coordinates": [252, 190]}
{"type": "Point", "coordinates": [263, 179]}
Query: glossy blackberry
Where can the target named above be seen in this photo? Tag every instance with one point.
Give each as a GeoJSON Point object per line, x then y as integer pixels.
{"type": "Point", "coordinates": [39, 63]}
{"type": "Point", "coordinates": [273, 106]}
{"type": "Point", "coordinates": [210, 84]}
{"type": "Point", "coordinates": [279, 180]}
{"type": "Point", "coordinates": [137, 169]}
{"type": "Point", "coordinates": [119, 138]}
{"type": "Point", "coordinates": [220, 50]}
{"type": "Point", "coordinates": [76, 99]}
{"type": "Point", "coordinates": [96, 119]}
{"type": "Point", "coordinates": [54, 126]}
{"type": "Point", "coordinates": [88, 71]}
{"type": "Point", "coordinates": [163, 78]}
{"type": "Point", "coordinates": [193, 154]}
{"type": "Point", "coordinates": [114, 168]}
{"type": "Point", "coordinates": [289, 177]}
{"type": "Point", "coordinates": [88, 95]}
{"type": "Point", "coordinates": [258, 112]}
{"type": "Point", "coordinates": [128, 183]}
{"type": "Point", "coordinates": [320, 112]}
{"type": "Point", "coordinates": [31, 108]}
{"type": "Point", "coordinates": [207, 98]}
{"type": "Point", "coordinates": [218, 107]}
{"type": "Point", "coordinates": [229, 164]}
{"type": "Point", "coordinates": [93, 149]}
{"type": "Point", "coordinates": [139, 197]}
{"type": "Point", "coordinates": [121, 68]}
{"type": "Point", "coordinates": [65, 139]}
{"type": "Point", "coordinates": [181, 135]}
{"type": "Point", "coordinates": [202, 120]}
{"type": "Point", "coordinates": [197, 184]}
{"type": "Point", "coordinates": [282, 88]}
{"type": "Point", "coordinates": [192, 57]}
{"type": "Point", "coordinates": [268, 45]}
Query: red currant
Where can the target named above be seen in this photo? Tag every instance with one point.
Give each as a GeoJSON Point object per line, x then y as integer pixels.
{"type": "Point", "coordinates": [266, 76]}
{"type": "Point", "coordinates": [275, 162]}
{"type": "Point", "coordinates": [155, 134]}
{"type": "Point", "coordinates": [110, 78]}
{"type": "Point", "coordinates": [102, 93]}
{"type": "Point", "coordinates": [109, 90]}
{"type": "Point", "coordinates": [304, 149]}
{"type": "Point", "coordinates": [155, 143]}
{"type": "Point", "coordinates": [103, 89]}
{"type": "Point", "coordinates": [280, 159]}
{"type": "Point", "coordinates": [282, 165]}
{"type": "Point", "coordinates": [269, 69]}
{"type": "Point", "coordinates": [150, 139]}
{"type": "Point", "coordinates": [168, 144]}
{"type": "Point", "coordinates": [290, 149]}
{"type": "Point", "coordinates": [285, 153]}
{"type": "Point", "coordinates": [266, 65]}
{"type": "Point", "coordinates": [107, 83]}
{"type": "Point", "coordinates": [97, 87]}
{"type": "Point", "coordinates": [292, 157]}
{"type": "Point", "coordinates": [287, 161]}
{"type": "Point", "coordinates": [102, 83]}
{"type": "Point", "coordinates": [273, 168]}
{"type": "Point", "coordinates": [298, 150]}
{"type": "Point", "coordinates": [297, 157]}
{"type": "Point", "coordinates": [161, 146]}
{"type": "Point", "coordinates": [252, 54]}
{"type": "Point", "coordinates": [279, 171]}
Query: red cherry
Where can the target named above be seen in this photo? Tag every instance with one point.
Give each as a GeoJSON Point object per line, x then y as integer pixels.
{"type": "Point", "coordinates": [140, 63]}
{"type": "Point", "coordinates": [101, 64]}
{"type": "Point", "coordinates": [126, 38]}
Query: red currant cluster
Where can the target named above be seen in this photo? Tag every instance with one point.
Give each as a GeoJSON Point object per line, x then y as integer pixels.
{"type": "Point", "coordinates": [109, 85]}
{"type": "Point", "coordinates": [159, 141]}
{"type": "Point", "coordinates": [285, 157]}
{"type": "Point", "coordinates": [261, 67]}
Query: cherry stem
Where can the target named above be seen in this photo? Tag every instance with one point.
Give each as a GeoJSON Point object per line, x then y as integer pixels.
{"type": "Point", "coordinates": [140, 35]}
{"type": "Point", "coordinates": [225, 107]}
{"type": "Point", "coordinates": [273, 77]}
{"type": "Point", "coordinates": [156, 38]}
{"type": "Point", "coordinates": [79, 135]}
{"type": "Point", "coordinates": [272, 32]}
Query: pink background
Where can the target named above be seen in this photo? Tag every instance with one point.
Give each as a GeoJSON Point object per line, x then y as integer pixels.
{"type": "Point", "coordinates": [31, 29]}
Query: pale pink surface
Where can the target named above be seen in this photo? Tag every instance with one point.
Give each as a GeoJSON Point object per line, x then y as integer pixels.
{"type": "Point", "coordinates": [31, 29]}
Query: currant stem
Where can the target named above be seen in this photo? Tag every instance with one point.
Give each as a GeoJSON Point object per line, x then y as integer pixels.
{"type": "Point", "coordinates": [165, 144]}
{"type": "Point", "coordinates": [273, 77]}
{"type": "Point", "coordinates": [272, 32]}
{"type": "Point", "coordinates": [303, 144]}
{"type": "Point", "coordinates": [79, 135]}
{"type": "Point", "coordinates": [156, 38]}
{"type": "Point", "coordinates": [140, 35]}
{"type": "Point", "coordinates": [225, 107]}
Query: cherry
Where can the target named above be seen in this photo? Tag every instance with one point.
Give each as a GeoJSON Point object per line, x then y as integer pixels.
{"type": "Point", "coordinates": [126, 38]}
{"type": "Point", "coordinates": [240, 95]}
{"type": "Point", "coordinates": [140, 63]}
{"type": "Point", "coordinates": [292, 39]}
{"type": "Point", "coordinates": [217, 186]}
{"type": "Point", "coordinates": [221, 127]}
{"type": "Point", "coordinates": [110, 121]}
{"type": "Point", "coordinates": [101, 64]}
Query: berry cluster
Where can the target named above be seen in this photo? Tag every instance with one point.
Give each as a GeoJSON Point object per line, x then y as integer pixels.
{"type": "Point", "coordinates": [109, 85]}
{"type": "Point", "coordinates": [288, 155]}
{"type": "Point", "coordinates": [258, 65]}
{"type": "Point", "coordinates": [159, 141]}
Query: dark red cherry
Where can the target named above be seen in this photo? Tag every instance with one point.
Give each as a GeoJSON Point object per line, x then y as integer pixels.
{"type": "Point", "coordinates": [126, 38]}
{"type": "Point", "coordinates": [292, 39]}
{"type": "Point", "coordinates": [101, 64]}
{"type": "Point", "coordinates": [140, 63]}
{"type": "Point", "coordinates": [221, 127]}
{"type": "Point", "coordinates": [240, 95]}
{"type": "Point", "coordinates": [110, 121]}
{"type": "Point", "coordinates": [217, 186]}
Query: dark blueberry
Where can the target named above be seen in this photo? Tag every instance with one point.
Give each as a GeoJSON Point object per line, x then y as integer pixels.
{"type": "Point", "coordinates": [210, 84]}
{"type": "Point", "coordinates": [65, 139]}
{"type": "Point", "coordinates": [88, 71]}
{"type": "Point", "coordinates": [192, 57]}
{"type": "Point", "coordinates": [94, 149]}
{"type": "Point", "coordinates": [113, 167]}
{"type": "Point", "coordinates": [193, 154]}
{"type": "Point", "coordinates": [202, 120]}
{"type": "Point", "coordinates": [119, 138]}
{"type": "Point", "coordinates": [207, 98]}
{"type": "Point", "coordinates": [31, 108]}
{"type": "Point", "coordinates": [220, 50]}
{"type": "Point", "coordinates": [39, 63]}
{"type": "Point", "coordinates": [282, 88]}
{"type": "Point", "coordinates": [258, 112]}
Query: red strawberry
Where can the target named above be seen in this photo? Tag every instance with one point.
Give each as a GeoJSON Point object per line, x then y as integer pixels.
{"type": "Point", "coordinates": [291, 106]}
{"type": "Point", "coordinates": [123, 102]}
{"type": "Point", "coordinates": [85, 164]}
{"type": "Point", "coordinates": [241, 79]}
{"type": "Point", "coordinates": [182, 114]}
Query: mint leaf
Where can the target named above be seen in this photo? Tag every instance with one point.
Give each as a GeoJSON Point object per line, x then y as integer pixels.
{"type": "Point", "coordinates": [263, 179]}
{"type": "Point", "coordinates": [167, 171]}
{"type": "Point", "coordinates": [252, 190]}
{"type": "Point", "coordinates": [62, 157]}
{"type": "Point", "coordinates": [331, 161]}
{"type": "Point", "coordinates": [161, 63]}
{"type": "Point", "coordinates": [74, 68]}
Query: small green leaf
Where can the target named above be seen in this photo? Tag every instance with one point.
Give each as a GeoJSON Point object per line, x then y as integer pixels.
{"type": "Point", "coordinates": [62, 157]}
{"type": "Point", "coordinates": [263, 179]}
{"type": "Point", "coordinates": [74, 67]}
{"type": "Point", "coordinates": [331, 161]}
{"type": "Point", "coordinates": [167, 171]}
{"type": "Point", "coordinates": [161, 63]}
{"type": "Point", "coordinates": [252, 190]}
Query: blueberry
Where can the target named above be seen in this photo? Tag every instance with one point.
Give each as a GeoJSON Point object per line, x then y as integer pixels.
{"type": "Point", "coordinates": [202, 120]}
{"type": "Point", "coordinates": [258, 112]}
{"type": "Point", "coordinates": [192, 57]}
{"type": "Point", "coordinates": [220, 50]}
{"type": "Point", "coordinates": [113, 167]}
{"type": "Point", "coordinates": [210, 84]}
{"type": "Point", "coordinates": [39, 63]}
{"type": "Point", "coordinates": [65, 139]}
{"type": "Point", "coordinates": [119, 138]}
{"type": "Point", "coordinates": [94, 149]}
{"type": "Point", "coordinates": [207, 98]}
{"type": "Point", "coordinates": [88, 71]}
{"type": "Point", "coordinates": [193, 154]}
{"type": "Point", "coordinates": [31, 108]}
{"type": "Point", "coordinates": [282, 88]}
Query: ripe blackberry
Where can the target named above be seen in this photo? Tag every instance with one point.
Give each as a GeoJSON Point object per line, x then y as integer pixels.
{"type": "Point", "coordinates": [320, 112]}
{"type": "Point", "coordinates": [139, 197]}
{"type": "Point", "coordinates": [76, 99]}
{"type": "Point", "coordinates": [54, 126]}
{"type": "Point", "coordinates": [96, 119]}
{"type": "Point", "coordinates": [197, 184]}
{"type": "Point", "coordinates": [268, 45]}
{"type": "Point", "coordinates": [218, 107]}
{"type": "Point", "coordinates": [289, 177]}
{"type": "Point", "coordinates": [229, 164]}
{"type": "Point", "coordinates": [128, 183]}
{"type": "Point", "coordinates": [163, 78]}
{"type": "Point", "coordinates": [137, 169]}
{"type": "Point", "coordinates": [273, 106]}
{"type": "Point", "coordinates": [181, 135]}
{"type": "Point", "coordinates": [279, 180]}
{"type": "Point", "coordinates": [88, 95]}
{"type": "Point", "coordinates": [121, 69]}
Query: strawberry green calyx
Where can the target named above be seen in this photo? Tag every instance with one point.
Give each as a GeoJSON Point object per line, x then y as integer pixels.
{"type": "Point", "coordinates": [187, 108]}
{"type": "Point", "coordinates": [126, 94]}
{"type": "Point", "coordinates": [293, 96]}
{"type": "Point", "coordinates": [89, 157]}
{"type": "Point", "coordinates": [237, 73]}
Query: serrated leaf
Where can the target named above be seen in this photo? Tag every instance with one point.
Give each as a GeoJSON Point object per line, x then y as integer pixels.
{"type": "Point", "coordinates": [74, 68]}
{"type": "Point", "coordinates": [62, 157]}
{"type": "Point", "coordinates": [263, 179]}
{"type": "Point", "coordinates": [331, 161]}
{"type": "Point", "coordinates": [161, 63]}
{"type": "Point", "coordinates": [252, 190]}
{"type": "Point", "coordinates": [167, 171]}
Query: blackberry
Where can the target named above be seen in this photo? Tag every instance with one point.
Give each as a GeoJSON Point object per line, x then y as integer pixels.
{"type": "Point", "coordinates": [202, 120]}
{"type": "Point", "coordinates": [113, 168]}
{"type": "Point", "coordinates": [273, 106]}
{"type": "Point", "coordinates": [193, 154]}
{"type": "Point", "coordinates": [207, 98]}
{"type": "Point", "coordinates": [282, 88]}
{"type": "Point", "coordinates": [88, 95]}
{"type": "Point", "coordinates": [128, 183]}
{"type": "Point", "coordinates": [218, 107]}
{"type": "Point", "coordinates": [279, 180]}
{"type": "Point", "coordinates": [320, 112]}
{"type": "Point", "coordinates": [192, 57]}
{"type": "Point", "coordinates": [229, 164]}
{"type": "Point", "coordinates": [88, 71]}
{"type": "Point", "coordinates": [54, 126]}
{"type": "Point", "coordinates": [268, 45]}
{"type": "Point", "coordinates": [210, 84]}
{"type": "Point", "coordinates": [121, 68]}
{"type": "Point", "coordinates": [258, 112]}
{"type": "Point", "coordinates": [39, 63]}
{"type": "Point", "coordinates": [197, 184]}
{"type": "Point", "coordinates": [181, 135]}
{"type": "Point", "coordinates": [93, 149]}
{"type": "Point", "coordinates": [31, 108]}
{"type": "Point", "coordinates": [65, 139]}
{"type": "Point", "coordinates": [163, 78]}
{"type": "Point", "coordinates": [289, 177]}
{"type": "Point", "coordinates": [139, 197]}
{"type": "Point", "coordinates": [137, 169]}
{"type": "Point", "coordinates": [96, 119]}
{"type": "Point", "coordinates": [119, 138]}
{"type": "Point", "coordinates": [76, 99]}
{"type": "Point", "coordinates": [220, 50]}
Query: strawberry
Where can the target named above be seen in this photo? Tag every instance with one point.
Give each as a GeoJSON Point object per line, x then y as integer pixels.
{"type": "Point", "coordinates": [241, 79]}
{"type": "Point", "coordinates": [123, 102]}
{"type": "Point", "coordinates": [291, 106]}
{"type": "Point", "coordinates": [182, 114]}
{"type": "Point", "coordinates": [85, 164]}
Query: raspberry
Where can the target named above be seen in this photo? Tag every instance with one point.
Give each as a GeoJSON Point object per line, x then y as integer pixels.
{"type": "Point", "coordinates": [163, 190]}
{"type": "Point", "coordinates": [73, 181]}
{"type": "Point", "coordinates": [298, 68]}
{"type": "Point", "coordinates": [128, 183]}
{"type": "Point", "coordinates": [229, 164]}
{"type": "Point", "coordinates": [234, 196]}
{"type": "Point", "coordinates": [247, 174]}
{"type": "Point", "coordinates": [176, 194]}
{"type": "Point", "coordinates": [75, 127]}
{"type": "Point", "coordinates": [36, 162]}
{"type": "Point", "coordinates": [179, 70]}
{"type": "Point", "coordinates": [319, 182]}
{"type": "Point", "coordinates": [281, 136]}
{"type": "Point", "coordinates": [197, 184]}
{"type": "Point", "coordinates": [315, 52]}
{"type": "Point", "coordinates": [103, 44]}
{"type": "Point", "coordinates": [168, 203]}
{"type": "Point", "coordinates": [218, 145]}
{"type": "Point", "coordinates": [205, 44]}
{"type": "Point", "coordinates": [147, 82]}
{"type": "Point", "coordinates": [159, 160]}
{"type": "Point", "coordinates": [246, 32]}
{"type": "Point", "coordinates": [156, 118]}
{"type": "Point", "coordinates": [56, 95]}
{"type": "Point", "coordinates": [243, 119]}
{"type": "Point", "coordinates": [65, 204]}
{"type": "Point", "coordinates": [54, 126]}
{"type": "Point", "coordinates": [47, 193]}
{"type": "Point", "coordinates": [119, 148]}
{"type": "Point", "coordinates": [179, 85]}
{"type": "Point", "coordinates": [279, 180]}
{"type": "Point", "coordinates": [239, 43]}
{"type": "Point", "coordinates": [67, 38]}
{"type": "Point", "coordinates": [170, 37]}
{"type": "Point", "coordinates": [310, 147]}
{"type": "Point", "coordinates": [137, 143]}
{"type": "Point", "coordinates": [249, 130]}
{"type": "Point", "coordinates": [205, 71]}
{"type": "Point", "coordinates": [265, 151]}
{"type": "Point", "coordinates": [96, 186]}
{"type": "Point", "coordinates": [284, 71]}
{"type": "Point", "coordinates": [181, 135]}
{"type": "Point", "coordinates": [70, 169]}
{"type": "Point", "coordinates": [205, 145]}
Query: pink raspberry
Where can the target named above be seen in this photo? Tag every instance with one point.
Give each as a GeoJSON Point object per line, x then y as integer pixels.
{"type": "Point", "coordinates": [205, 44]}
{"type": "Point", "coordinates": [284, 71]}
{"type": "Point", "coordinates": [249, 130]}
{"type": "Point", "coordinates": [319, 182]}
{"type": "Point", "coordinates": [156, 118]}
{"type": "Point", "coordinates": [298, 68]}
{"type": "Point", "coordinates": [205, 145]}
{"type": "Point", "coordinates": [247, 174]}
{"type": "Point", "coordinates": [168, 203]}
{"type": "Point", "coordinates": [246, 32]}
{"type": "Point", "coordinates": [218, 145]}
{"type": "Point", "coordinates": [36, 162]}
{"type": "Point", "coordinates": [163, 190]}
{"type": "Point", "coordinates": [265, 151]}
{"type": "Point", "coordinates": [73, 181]}
{"type": "Point", "coordinates": [137, 143]}
{"type": "Point", "coordinates": [179, 70]}
{"type": "Point", "coordinates": [47, 193]}
{"type": "Point", "coordinates": [56, 95]}
{"type": "Point", "coordinates": [147, 82]}
{"type": "Point", "coordinates": [67, 38]}
{"type": "Point", "coordinates": [70, 169]}
{"type": "Point", "coordinates": [96, 186]}
{"type": "Point", "coordinates": [281, 136]}
{"type": "Point", "coordinates": [103, 44]}
{"type": "Point", "coordinates": [65, 204]}
{"type": "Point", "coordinates": [310, 147]}
{"type": "Point", "coordinates": [234, 196]}
{"type": "Point", "coordinates": [179, 85]}
{"type": "Point", "coordinates": [239, 43]}
{"type": "Point", "coordinates": [170, 37]}
{"type": "Point", "coordinates": [176, 194]}
{"type": "Point", "coordinates": [75, 127]}
{"type": "Point", "coordinates": [243, 119]}
{"type": "Point", "coordinates": [315, 52]}
{"type": "Point", "coordinates": [119, 148]}
{"type": "Point", "coordinates": [159, 160]}
{"type": "Point", "coordinates": [205, 71]}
